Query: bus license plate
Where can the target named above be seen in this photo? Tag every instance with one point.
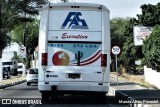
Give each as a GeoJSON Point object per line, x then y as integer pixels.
{"type": "Point", "coordinates": [73, 76]}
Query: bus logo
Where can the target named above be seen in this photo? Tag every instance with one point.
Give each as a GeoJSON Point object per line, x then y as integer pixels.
{"type": "Point", "coordinates": [74, 22]}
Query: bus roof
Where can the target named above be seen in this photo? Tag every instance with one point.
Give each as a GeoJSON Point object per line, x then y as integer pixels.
{"type": "Point", "coordinates": [75, 4]}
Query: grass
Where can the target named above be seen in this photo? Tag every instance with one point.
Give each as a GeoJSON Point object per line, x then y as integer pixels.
{"type": "Point", "coordinates": [135, 78]}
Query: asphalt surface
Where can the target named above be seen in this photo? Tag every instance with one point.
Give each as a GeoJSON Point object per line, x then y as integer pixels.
{"type": "Point", "coordinates": [27, 93]}
{"type": "Point", "coordinates": [134, 94]}
{"type": "Point", "coordinates": [123, 92]}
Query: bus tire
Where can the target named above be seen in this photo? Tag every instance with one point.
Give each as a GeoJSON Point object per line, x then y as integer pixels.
{"type": "Point", "coordinates": [45, 97]}
{"type": "Point", "coordinates": [54, 97]}
{"type": "Point", "coordinates": [102, 97]}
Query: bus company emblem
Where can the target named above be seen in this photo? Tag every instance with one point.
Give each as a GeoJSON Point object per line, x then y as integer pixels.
{"type": "Point", "coordinates": [74, 22]}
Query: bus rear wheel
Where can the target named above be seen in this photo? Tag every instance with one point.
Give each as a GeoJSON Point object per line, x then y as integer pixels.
{"type": "Point", "coordinates": [45, 97]}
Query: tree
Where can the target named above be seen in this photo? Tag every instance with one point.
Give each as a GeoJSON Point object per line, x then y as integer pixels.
{"type": "Point", "coordinates": [151, 49]}
{"type": "Point", "coordinates": [130, 53]}
{"type": "Point", "coordinates": [32, 31]}
{"type": "Point", "coordinates": [118, 27]}
{"type": "Point", "coordinates": [7, 19]}
{"type": "Point", "coordinates": [26, 9]}
{"type": "Point", "coordinates": [150, 15]}
{"type": "Point", "coordinates": [11, 14]}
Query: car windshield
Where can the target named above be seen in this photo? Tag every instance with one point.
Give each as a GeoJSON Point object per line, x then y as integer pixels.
{"type": "Point", "coordinates": [33, 71]}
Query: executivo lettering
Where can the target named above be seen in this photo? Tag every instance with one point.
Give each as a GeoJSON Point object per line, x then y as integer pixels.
{"type": "Point", "coordinates": [67, 36]}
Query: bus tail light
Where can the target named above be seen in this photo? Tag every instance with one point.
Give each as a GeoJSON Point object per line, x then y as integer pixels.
{"type": "Point", "coordinates": [44, 59]}
{"type": "Point", "coordinates": [103, 60]}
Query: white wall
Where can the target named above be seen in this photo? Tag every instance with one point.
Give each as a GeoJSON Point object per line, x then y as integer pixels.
{"type": "Point", "coordinates": [152, 76]}
{"type": "Point", "coordinates": [12, 47]}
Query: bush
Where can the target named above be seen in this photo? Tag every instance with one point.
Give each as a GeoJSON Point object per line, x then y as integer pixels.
{"type": "Point", "coordinates": [151, 49]}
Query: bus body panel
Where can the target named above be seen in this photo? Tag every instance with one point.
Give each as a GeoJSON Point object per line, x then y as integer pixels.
{"type": "Point", "coordinates": [80, 15]}
{"type": "Point", "coordinates": [86, 74]}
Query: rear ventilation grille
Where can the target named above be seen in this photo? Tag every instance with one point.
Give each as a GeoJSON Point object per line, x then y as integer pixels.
{"type": "Point", "coordinates": [75, 7]}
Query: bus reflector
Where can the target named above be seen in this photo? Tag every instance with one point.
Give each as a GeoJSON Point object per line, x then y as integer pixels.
{"type": "Point", "coordinates": [104, 60]}
{"type": "Point", "coordinates": [44, 59]}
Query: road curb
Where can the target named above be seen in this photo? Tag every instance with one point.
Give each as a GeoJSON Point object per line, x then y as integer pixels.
{"type": "Point", "coordinates": [124, 97]}
{"type": "Point", "coordinates": [11, 84]}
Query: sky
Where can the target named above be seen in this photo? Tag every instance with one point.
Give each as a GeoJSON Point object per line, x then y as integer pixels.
{"type": "Point", "coordinates": [122, 8]}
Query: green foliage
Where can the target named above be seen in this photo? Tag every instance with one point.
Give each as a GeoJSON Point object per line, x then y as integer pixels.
{"type": "Point", "coordinates": [7, 17]}
{"type": "Point", "coordinates": [26, 9]}
{"type": "Point", "coordinates": [31, 35]}
{"type": "Point", "coordinates": [126, 56]}
{"type": "Point", "coordinates": [151, 49]}
{"type": "Point", "coordinates": [130, 53]}
{"type": "Point", "coordinates": [150, 15]}
{"type": "Point", "coordinates": [15, 12]}
{"type": "Point", "coordinates": [119, 35]}
{"type": "Point", "coordinates": [117, 26]}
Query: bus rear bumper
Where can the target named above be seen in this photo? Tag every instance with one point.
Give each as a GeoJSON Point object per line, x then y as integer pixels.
{"type": "Point", "coordinates": [64, 86]}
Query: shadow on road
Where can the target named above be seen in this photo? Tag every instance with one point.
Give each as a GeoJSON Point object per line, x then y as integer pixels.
{"type": "Point", "coordinates": [34, 85]}
{"type": "Point", "coordinates": [143, 95]}
{"type": "Point", "coordinates": [31, 87]}
{"type": "Point", "coordinates": [77, 99]}
{"type": "Point", "coordinates": [121, 84]}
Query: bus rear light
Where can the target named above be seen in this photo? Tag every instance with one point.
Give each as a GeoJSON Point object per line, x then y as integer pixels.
{"type": "Point", "coordinates": [44, 59]}
{"type": "Point", "coordinates": [103, 60]}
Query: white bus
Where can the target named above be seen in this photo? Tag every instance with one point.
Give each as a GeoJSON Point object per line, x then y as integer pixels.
{"type": "Point", "coordinates": [74, 49]}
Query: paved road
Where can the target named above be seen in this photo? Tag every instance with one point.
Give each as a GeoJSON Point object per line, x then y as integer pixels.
{"type": "Point", "coordinates": [25, 93]}
{"type": "Point", "coordinates": [141, 96]}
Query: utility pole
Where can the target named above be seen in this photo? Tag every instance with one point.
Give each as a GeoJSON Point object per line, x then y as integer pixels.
{"type": "Point", "coordinates": [24, 43]}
